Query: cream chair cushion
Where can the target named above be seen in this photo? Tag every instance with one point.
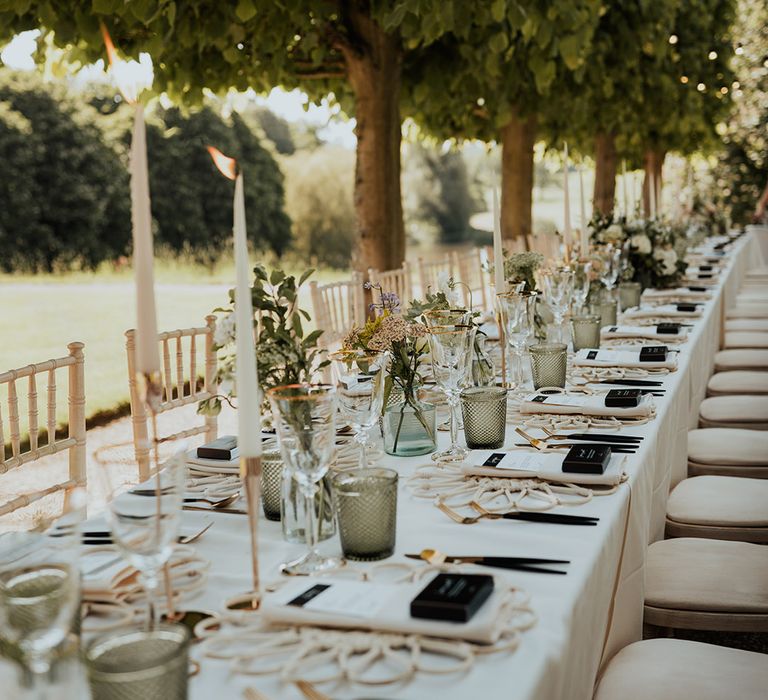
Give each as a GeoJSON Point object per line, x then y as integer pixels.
{"type": "Point", "coordinates": [738, 382]}
{"type": "Point", "coordinates": [746, 339]}
{"type": "Point", "coordinates": [741, 359]}
{"type": "Point", "coordinates": [689, 573]}
{"type": "Point", "coordinates": [675, 669]}
{"type": "Point", "coordinates": [748, 309]}
{"type": "Point", "coordinates": [738, 411]}
{"type": "Point", "coordinates": [728, 446]}
{"type": "Point", "coordinates": [747, 324]}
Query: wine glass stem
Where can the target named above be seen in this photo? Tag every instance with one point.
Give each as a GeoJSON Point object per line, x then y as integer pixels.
{"type": "Point", "coordinates": [518, 367]}
{"type": "Point", "coordinates": [151, 586]}
{"type": "Point", "coordinates": [361, 438]}
{"type": "Point", "coordinates": [453, 403]}
{"type": "Point", "coordinates": [39, 665]}
{"type": "Point", "coordinates": [311, 524]}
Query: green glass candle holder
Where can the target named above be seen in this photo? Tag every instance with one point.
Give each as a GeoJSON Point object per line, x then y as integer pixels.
{"type": "Point", "coordinates": [548, 364]}
{"type": "Point", "coordinates": [484, 413]}
{"type": "Point", "coordinates": [585, 332]}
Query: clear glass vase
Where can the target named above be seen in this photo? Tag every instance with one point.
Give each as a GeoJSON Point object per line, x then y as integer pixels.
{"type": "Point", "coordinates": [292, 515]}
{"type": "Point", "coordinates": [409, 428]}
{"type": "Point", "coordinates": [483, 370]}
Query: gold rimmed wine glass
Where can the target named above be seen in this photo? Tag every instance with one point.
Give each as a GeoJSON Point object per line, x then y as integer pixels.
{"type": "Point", "coordinates": [517, 315]}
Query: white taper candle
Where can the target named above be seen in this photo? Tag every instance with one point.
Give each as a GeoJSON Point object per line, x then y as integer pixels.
{"type": "Point", "coordinates": [498, 248]}
{"type": "Point", "coordinates": [567, 231]}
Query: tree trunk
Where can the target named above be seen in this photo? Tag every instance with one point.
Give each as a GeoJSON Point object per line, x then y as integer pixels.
{"type": "Point", "coordinates": [374, 68]}
{"type": "Point", "coordinates": [605, 174]}
{"type": "Point", "coordinates": [653, 163]}
{"type": "Point", "coordinates": [517, 140]}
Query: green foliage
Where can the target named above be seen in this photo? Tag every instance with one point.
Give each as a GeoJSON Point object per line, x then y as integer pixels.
{"type": "Point", "coordinates": [437, 195]}
{"type": "Point", "coordinates": [63, 200]}
{"type": "Point", "coordinates": [319, 202]}
{"type": "Point", "coordinates": [277, 130]}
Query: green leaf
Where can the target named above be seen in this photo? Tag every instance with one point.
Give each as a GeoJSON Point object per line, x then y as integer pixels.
{"type": "Point", "coordinates": [305, 276]}
{"type": "Point", "coordinates": [245, 10]}
{"type": "Point", "coordinates": [498, 10]}
{"type": "Point", "coordinates": [276, 277]}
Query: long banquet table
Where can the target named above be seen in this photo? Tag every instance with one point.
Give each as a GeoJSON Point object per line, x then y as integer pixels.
{"type": "Point", "coordinates": [583, 618]}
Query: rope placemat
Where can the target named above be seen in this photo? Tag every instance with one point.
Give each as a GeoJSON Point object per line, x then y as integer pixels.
{"type": "Point", "coordinates": [254, 646]}
{"type": "Point", "coordinates": [450, 490]}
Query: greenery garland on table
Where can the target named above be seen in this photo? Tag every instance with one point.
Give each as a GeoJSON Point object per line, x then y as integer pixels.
{"type": "Point", "coordinates": [653, 251]}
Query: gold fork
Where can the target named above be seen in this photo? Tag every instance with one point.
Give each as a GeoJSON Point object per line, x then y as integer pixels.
{"type": "Point", "coordinates": [310, 692]}
{"type": "Point", "coordinates": [456, 517]}
{"type": "Point", "coordinates": [253, 694]}
{"type": "Point", "coordinates": [535, 442]}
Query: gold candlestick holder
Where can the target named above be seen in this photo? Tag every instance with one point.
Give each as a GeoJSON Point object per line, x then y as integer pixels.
{"type": "Point", "coordinates": [250, 472]}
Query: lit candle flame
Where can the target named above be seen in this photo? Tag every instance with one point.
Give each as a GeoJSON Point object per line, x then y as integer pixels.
{"type": "Point", "coordinates": [227, 166]}
{"type": "Point", "coordinates": [131, 77]}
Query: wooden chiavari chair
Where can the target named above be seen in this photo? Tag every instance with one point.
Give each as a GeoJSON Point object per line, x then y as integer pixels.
{"type": "Point", "coordinates": [336, 307]}
{"type": "Point", "coordinates": [180, 387]}
{"type": "Point", "coordinates": [398, 281]}
{"type": "Point", "coordinates": [470, 268]}
{"type": "Point", "coordinates": [75, 440]}
{"type": "Point", "coordinates": [430, 271]}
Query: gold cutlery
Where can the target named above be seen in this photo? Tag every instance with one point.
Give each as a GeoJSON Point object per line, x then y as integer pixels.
{"type": "Point", "coordinates": [310, 692]}
{"type": "Point", "coordinates": [253, 694]}
{"type": "Point", "coordinates": [237, 511]}
{"type": "Point", "coordinates": [535, 442]}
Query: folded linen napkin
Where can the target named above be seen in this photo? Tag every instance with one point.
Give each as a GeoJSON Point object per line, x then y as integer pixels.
{"type": "Point", "coordinates": [695, 281]}
{"type": "Point", "coordinates": [620, 358]}
{"type": "Point", "coordinates": [547, 467]}
{"type": "Point", "coordinates": [649, 332]}
{"type": "Point", "coordinates": [663, 311]}
{"type": "Point", "coordinates": [383, 607]}
{"type": "Point", "coordinates": [581, 404]}
{"type": "Point", "coordinates": [682, 293]}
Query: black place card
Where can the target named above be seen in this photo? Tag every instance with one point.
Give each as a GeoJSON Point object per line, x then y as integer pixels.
{"type": "Point", "coordinates": [654, 353]}
{"type": "Point", "coordinates": [224, 448]}
{"type": "Point", "coordinates": [623, 398]}
{"type": "Point", "coordinates": [452, 597]}
{"type": "Point", "coordinates": [589, 458]}
{"type": "Point", "coordinates": [697, 289]}
{"type": "Point", "coordinates": [705, 276]}
{"type": "Point", "coordinates": [668, 328]}
{"type": "Point", "coordinates": [705, 268]}
{"type": "Point", "coordinates": [687, 307]}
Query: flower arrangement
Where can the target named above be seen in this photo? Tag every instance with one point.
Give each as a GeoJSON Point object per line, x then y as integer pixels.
{"type": "Point", "coordinates": [285, 354]}
{"type": "Point", "coordinates": [404, 339]}
{"type": "Point", "coordinates": [522, 267]}
{"type": "Point", "coordinates": [654, 252]}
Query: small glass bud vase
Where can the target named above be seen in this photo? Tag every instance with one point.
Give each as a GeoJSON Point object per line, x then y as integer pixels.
{"type": "Point", "coordinates": [292, 512]}
{"type": "Point", "coordinates": [483, 370]}
{"type": "Point", "coordinates": [409, 428]}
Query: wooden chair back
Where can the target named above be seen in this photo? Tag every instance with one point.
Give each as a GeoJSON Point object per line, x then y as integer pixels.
{"type": "Point", "coordinates": [336, 307]}
{"type": "Point", "coordinates": [399, 281]}
{"type": "Point", "coordinates": [471, 269]}
{"type": "Point", "coordinates": [180, 383]}
{"type": "Point", "coordinates": [74, 442]}
{"type": "Point", "coordinates": [430, 271]}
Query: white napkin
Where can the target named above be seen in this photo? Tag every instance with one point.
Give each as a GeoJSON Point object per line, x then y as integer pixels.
{"type": "Point", "coordinates": [383, 607]}
{"type": "Point", "coordinates": [663, 311]}
{"type": "Point", "coordinates": [649, 332]}
{"type": "Point", "coordinates": [700, 282]}
{"type": "Point", "coordinates": [621, 358]}
{"type": "Point", "coordinates": [212, 466]}
{"type": "Point", "coordinates": [545, 466]}
{"type": "Point", "coordinates": [682, 293]}
{"type": "Point", "coordinates": [570, 405]}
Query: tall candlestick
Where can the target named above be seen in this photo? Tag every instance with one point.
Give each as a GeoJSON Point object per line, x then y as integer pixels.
{"type": "Point", "coordinates": [498, 249]}
{"type": "Point", "coordinates": [652, 194]}
{"type": "Point", "coordinates": [147, 353]}
{"type": "Point", "coordinates": [567, 232]}
{"type": "Point", "coordinates": [584, 243]}
{"type": "Point", "coordinates": [624, 188]}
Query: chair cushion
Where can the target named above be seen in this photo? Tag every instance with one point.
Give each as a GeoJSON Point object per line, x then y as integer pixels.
{"type": "Point", "coordinates": [676, 669]}
{"type": "Point", "coordinates": [741, 359]}
{"type": "Point", "coordinates": [738, 382]}
{"type": "Point", "coordinates": [748, 310]}
{"type": "Point", "coordinates": [734, 409]}
{"type": "Point", "coordinates": [747, 324]}
{"type": "Point", "coordinates": [745, 339]}
{"type": "Point", "coordinates": [690, 573]}
{"type": "Point", "coordinates": [728, 446]}
{"type": "Point", "coordinates": [725, 501]}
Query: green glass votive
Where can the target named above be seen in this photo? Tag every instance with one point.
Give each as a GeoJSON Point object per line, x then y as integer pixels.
{"type": "Point", "coordinates": [607, 309]}
{"type": "Point", "coordinates": [366, 509]}
{"type": "Point", "coordinates": [585, 331]}
{"type": "Point", "coordinates": [136, 664]}
{"type": "Point", "coordinates": [271, 479]}
{"type": "Point", "coordinates": [484, 412]}
{"type": "Point", "coordinates": [548, 362]}
{"type": "Point", "coordinates": [629, 295]}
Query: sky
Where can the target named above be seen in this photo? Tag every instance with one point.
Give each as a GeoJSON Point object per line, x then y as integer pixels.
{"type": "Point", "coordinates": [294, 106]}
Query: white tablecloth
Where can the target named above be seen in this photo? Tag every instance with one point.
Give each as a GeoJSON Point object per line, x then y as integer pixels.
{"type": "Point", "coordinates": [560, 657]}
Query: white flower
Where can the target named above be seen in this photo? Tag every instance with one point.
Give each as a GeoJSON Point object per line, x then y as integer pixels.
{"type": "Point", "coordinates": [668, 259]}
{"type": "Point", "coordinates": [225, 330]}
{"type": "Point", "coordinates": [641, 243]}
{"type": "Point", "coordinates": [614, 233]}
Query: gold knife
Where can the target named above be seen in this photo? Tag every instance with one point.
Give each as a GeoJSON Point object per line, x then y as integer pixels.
{"type": "Point", "coordinates": [236, 511]}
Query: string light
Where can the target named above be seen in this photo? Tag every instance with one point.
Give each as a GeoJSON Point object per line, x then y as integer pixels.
{"type": "Point", "coordinates": [684, 79]}
{"type": "Point", "coordinates": [673, 39]}
{"type": "Point", "coordinates": [724, 90]}
{"type": "Point", "coordinates": [739, 50]}
{"type": "Point", "coordinates": [736, 85]}
{"type": "Point", "coordinates": [480, 101]}
{"type": "Point", "coordinates": [701, 87]}
{"type": "Point", "coordinates": [712, 55]}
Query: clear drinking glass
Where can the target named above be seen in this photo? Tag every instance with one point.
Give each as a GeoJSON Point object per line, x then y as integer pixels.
{"type": "Point", "coordinates": [144, 518]}
{"type": "Point", "coordinates": [517, 310]}
{"type": "Point", "coordinates": [359, 378]}
{"type": "Point", "coordinates": [548, 364]}
{"type": "Point", "coordinates": [448, 317]}
{"type": "Point", "coordinates": [558, 292]}
{"type": "Point", "coordinates": [451, 349]}
{"type": "Point", "coordinates": [582, 276]}
{"type": "Point", "coordinates": [585, 331]}
{"type": "Point", "coordinates": [306, 431]}
{"type": "Point", "coordinates": [629, 295]}
{"type": "Point", "coordinates": [485, 417]}
{"type": "Point", "coordinates": [39, 594]}
{"type": "Point", "coordinates": [610, 258]}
